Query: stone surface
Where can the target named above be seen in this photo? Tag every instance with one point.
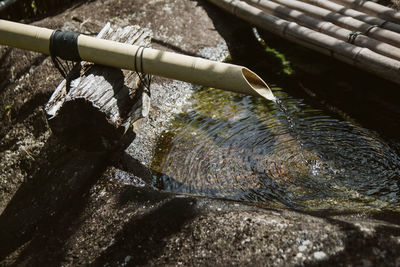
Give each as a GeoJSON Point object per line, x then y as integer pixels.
{"type": "Point", "coordinates": [81, 209]}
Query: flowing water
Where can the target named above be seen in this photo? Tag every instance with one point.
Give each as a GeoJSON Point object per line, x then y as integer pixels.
{"type": "Point", "coordinates": [243, 148]}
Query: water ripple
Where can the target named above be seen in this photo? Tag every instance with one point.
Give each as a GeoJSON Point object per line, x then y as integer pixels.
{"type": "Point", "coordinates": [242, 148]}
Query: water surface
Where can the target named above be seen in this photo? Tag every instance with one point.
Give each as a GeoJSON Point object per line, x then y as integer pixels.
{"type": "Point", "coordinates": [244, 148]}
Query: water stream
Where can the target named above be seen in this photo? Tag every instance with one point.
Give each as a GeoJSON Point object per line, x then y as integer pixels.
{"type": "Point", "coordinates": [244, 148]}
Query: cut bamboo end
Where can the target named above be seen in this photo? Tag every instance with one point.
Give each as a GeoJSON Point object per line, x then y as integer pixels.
{"type": "Point", "coordinates": [257, 84]}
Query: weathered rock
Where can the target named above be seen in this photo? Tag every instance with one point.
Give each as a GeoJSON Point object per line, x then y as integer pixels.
{"type": "Point", "coordinates": [128, 222]}
{"type": "Point", "coordinates": [96, 110]}
{"type": "Point", "coordinates": [66, 213]}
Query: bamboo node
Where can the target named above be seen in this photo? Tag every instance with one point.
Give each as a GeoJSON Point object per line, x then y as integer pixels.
{"type": "Point", "coordinates": [383, 23]}
{"type": "Point", "coordinates": [371, 27]}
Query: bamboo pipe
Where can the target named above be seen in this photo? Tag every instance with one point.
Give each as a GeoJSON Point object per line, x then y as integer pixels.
{"type": "Point", "coordinates": [356, 14]}
{"type": "Point", "coordinates": [362, 58]}
{"type": "Point", "coordinates": [325, 27]}
{"type": "Point", "coordinates": [372, 8]}
{"type": "Point", "coordinates": [344, 21]}
{"type": "Point", "coordinates": [170, 65]}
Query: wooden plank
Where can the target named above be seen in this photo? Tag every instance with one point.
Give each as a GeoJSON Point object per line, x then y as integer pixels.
{"type": "Point", "coordinates": [97, 106]}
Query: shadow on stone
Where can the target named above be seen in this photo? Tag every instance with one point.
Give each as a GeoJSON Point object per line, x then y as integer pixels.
{"type": "Point", "coordinates": [144, 238]}
{"type": "Point", "coordinates": [35, 220]}
{"type": "Point", "coordinates": [361, 247]}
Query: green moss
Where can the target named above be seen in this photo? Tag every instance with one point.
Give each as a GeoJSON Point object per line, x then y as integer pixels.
{"type": "Point", "coordinates": [228, 59]}
{"type": "Point", "coordinates": [286, 65]}
{"type": "Point", "coordinates": [278, 55]}
{"type": "Point", "coordinates": [9, 107]}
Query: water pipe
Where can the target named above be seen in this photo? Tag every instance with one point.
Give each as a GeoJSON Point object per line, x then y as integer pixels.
{"type": "Point", "coordinates": [150, 61]}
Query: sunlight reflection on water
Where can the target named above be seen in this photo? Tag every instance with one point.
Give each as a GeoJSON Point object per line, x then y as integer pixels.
{"type": "Point", "coordinates": [243, 148]}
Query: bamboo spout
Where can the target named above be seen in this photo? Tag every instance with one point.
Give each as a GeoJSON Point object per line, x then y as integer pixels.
{"type": "Point", "coordinates": [166, 64]}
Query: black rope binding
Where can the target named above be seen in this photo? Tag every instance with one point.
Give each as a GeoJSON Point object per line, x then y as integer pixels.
{"type": "Point", "coordinates": [145, 79]}
{"type": "Point", "coordinates": [64, 45]}
{"type": "Point", "coordinates": [352, 36]}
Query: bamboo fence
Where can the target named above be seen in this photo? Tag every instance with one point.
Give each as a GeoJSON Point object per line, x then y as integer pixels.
{"type": "Point", "coordinates": [384, 35]}
{"type": "Point", "coordinates": [360, 57]}
{"type": "Point", "coordinates": [325, 27]}
{"type": "Point", "coordinates": [356, 14]}
{"type": "Point", "coordinates": [372, 8]}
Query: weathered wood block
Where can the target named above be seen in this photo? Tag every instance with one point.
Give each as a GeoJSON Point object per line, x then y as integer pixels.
{"type": "Point", "coordinates": [97, 107]}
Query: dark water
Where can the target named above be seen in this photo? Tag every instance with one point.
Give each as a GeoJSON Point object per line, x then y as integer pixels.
{"type": "Point", "coordinates": [239, 147]}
